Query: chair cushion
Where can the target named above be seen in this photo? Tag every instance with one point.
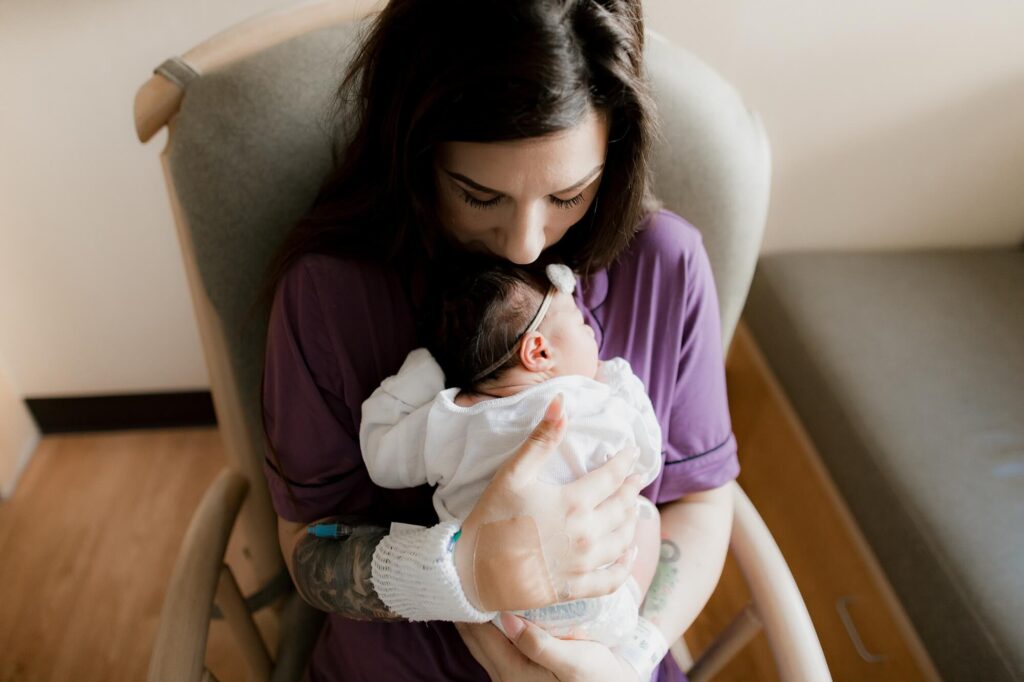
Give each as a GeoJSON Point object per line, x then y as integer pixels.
{"type": "Point", "coordinates": [252, 143]}
{"type": "Point", "coordinates": [907, 369]}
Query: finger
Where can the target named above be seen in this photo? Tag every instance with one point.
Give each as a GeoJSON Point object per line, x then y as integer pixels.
{"type": "Point", "coordinates": [470, 634]}
{"type": "Point", "coordinates": [541, 648]}
{"type": "Point", "coordinates": [598, 541]}
{"type": "Point", "coordinates": [595, 487]}
{"type": "Point", "coordinates": [622, 505]}
{"type": "Point", "coordinates": [600, 582]}
{"type": "Point", "coordinates": [545, 437]}
{"type": "Point", "coordinates": [513, 625]}
{"type": "Point", "coordinates": [611, 547]}
{"type": "Point", "coordinates": [496, 649]}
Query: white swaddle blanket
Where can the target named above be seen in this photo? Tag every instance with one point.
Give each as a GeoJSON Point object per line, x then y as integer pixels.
{"type": "Point", "coordinates": [412, 433]}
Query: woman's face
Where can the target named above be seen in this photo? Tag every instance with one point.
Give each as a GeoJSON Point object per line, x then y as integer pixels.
{"type": "Point", "coordinates": [514, 199]}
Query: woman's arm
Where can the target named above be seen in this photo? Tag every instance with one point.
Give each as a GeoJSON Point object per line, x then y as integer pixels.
{"type": "Point", "coordinates": [334, 575]}
{"type": "Point", "coordinates": [695, 538]}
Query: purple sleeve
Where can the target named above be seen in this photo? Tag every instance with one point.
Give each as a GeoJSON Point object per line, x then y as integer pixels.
{"type": "Point", "coordinates": [661, 313]}
{"type": "Point", "coordinates": [336, 328]}
{"type": "Point", "coordinates": [700, 449]}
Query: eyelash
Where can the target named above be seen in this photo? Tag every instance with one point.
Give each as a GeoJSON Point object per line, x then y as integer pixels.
{"type": "Point", "coordinates": [568, 203]}
{"type": "Point", "coordinates": [560, 203]}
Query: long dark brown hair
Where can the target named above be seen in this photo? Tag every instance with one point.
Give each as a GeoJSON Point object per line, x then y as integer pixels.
{"type": "Point", "coordinates": [429, 71]}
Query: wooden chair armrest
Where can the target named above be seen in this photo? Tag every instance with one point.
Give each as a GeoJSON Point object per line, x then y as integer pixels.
{"type": "Point", "coordinates": [180, 644]}
{"type": "Point", "coordinates": [777, 601]}
{"type": "Point", "coordinates": [158, 99]}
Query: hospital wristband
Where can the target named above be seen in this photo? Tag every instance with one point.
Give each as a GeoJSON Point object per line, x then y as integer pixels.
{"type": "Point", "coordinates": [643, 649]}
{"type": "Point", "coordinates": [413, 573]}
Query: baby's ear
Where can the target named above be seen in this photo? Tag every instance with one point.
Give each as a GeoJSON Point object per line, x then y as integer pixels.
{"type": "Point", "coordinates": [535, 352]}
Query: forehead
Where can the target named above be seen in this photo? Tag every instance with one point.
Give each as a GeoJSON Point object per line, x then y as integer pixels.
{"type": "Point", "coordinates": [546, 163]}
{"type": "Point", "coordinates": [562, 303]}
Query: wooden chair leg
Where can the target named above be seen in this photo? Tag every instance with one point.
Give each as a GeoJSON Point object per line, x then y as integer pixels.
{"type": "Point", "coordinates": [232, 604]}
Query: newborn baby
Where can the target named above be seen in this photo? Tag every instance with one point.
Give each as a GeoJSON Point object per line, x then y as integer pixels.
{"type": "Point", "coordinates": [508, 344]}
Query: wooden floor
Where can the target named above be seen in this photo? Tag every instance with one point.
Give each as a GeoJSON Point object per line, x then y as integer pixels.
{"type": "Point", "coordinates": [87, 544]}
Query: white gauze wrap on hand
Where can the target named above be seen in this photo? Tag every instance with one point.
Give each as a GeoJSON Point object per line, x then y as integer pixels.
{"type": "Point", "coordinates": [413, 573]}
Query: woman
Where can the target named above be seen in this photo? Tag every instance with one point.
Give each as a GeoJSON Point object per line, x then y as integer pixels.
{"type": "Point", "coordinates": [520, 130]}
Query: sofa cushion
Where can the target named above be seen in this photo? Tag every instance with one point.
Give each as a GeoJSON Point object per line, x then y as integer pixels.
{"type": "Point", "coordinates": [907, 370]}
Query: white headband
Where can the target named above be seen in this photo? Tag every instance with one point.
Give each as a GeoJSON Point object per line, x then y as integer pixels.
{"type": "Point", "coordinates": [562, 280]}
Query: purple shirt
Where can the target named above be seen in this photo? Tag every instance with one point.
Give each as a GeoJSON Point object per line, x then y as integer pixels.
{"type": "Point", "coordinates": [339, 327]}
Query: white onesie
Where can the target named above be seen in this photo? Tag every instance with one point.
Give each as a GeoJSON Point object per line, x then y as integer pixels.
{"type": "Point", "coordinates": [412, 433]}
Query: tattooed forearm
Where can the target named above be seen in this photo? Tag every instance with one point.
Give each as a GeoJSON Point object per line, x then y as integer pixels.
{"type": "Point", "coordinates": [334, 575]}
{"type": "Point", "coordinates": [665, 578]}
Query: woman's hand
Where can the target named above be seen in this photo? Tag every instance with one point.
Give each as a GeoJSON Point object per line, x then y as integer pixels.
{"type": "Point", "coordinates": [532, 655]}
{"type": "Point", "coordinates": [582, 531]}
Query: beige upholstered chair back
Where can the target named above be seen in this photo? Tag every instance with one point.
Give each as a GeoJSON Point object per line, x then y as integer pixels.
{"type": "Point", "coordinates": [251, 142]}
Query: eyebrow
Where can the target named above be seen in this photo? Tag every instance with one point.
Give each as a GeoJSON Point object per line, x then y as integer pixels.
{"type": "Point", "coordinates": [482, 188]}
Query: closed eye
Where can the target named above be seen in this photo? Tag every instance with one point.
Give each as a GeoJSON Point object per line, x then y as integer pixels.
{"type": "Point", "coordinates": [479, 203]}
{"type": "Point", "coordinates": [568, 203]}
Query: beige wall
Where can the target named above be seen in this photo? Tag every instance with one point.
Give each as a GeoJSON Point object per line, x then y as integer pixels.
{"type": "Point", "coordinates": [894, 123]}
{"type": "Point", "coordinates": [93, 297]}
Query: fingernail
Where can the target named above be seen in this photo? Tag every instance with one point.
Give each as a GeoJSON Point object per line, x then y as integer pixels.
{"type": "Point", "coordinates": [645, 511]}
{"type": "Point", "coordinates": [554, 411]}
{"type": "Point", "coordinates": [513, 626]}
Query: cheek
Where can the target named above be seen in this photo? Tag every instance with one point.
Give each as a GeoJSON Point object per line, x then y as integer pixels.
{"type": "Point", "coordinates": [559, 223]}
{"type": "Point", "coordinates": [587, 345]}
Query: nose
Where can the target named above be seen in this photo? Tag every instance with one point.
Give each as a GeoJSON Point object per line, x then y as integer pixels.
{"type": "Point", "coordinates": [524, 238]}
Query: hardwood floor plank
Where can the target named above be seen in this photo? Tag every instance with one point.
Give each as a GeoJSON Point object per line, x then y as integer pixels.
{"type": "Point", "coordinates": [87, 543]}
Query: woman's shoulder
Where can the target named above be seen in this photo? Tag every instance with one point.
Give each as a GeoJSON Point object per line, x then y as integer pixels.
{"type": "Point", "coordinates": [326, 271]}
{"type": "Point", "coordinates": [667, 252]}
{"type": "Point", "coordinates": [337, 286]}
{"type": "Point", "coordinates": [666, 235]}
{"type": "Point", "coordinates": [342, 303]}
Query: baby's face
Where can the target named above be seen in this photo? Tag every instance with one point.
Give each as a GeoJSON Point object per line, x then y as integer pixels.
{"type": "Point", "coordinates": [572, 340]}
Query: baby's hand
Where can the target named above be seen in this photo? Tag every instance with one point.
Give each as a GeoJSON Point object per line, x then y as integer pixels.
{"type": "Point", "coordinates": [600, 372]}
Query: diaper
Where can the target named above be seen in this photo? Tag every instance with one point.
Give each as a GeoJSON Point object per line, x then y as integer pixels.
{"type": "Point", "coordinates": [608, 619]}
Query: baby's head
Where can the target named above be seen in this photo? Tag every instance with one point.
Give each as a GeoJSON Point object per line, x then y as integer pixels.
{"type": "Point", "coordinates": [504, 320]}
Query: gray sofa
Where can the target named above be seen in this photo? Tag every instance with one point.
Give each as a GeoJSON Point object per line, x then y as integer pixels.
{"type": "Point", "coordinates": [907, 370]}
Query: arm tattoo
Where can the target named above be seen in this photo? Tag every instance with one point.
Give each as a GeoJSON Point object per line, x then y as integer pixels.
{"type": "Point", "coordinates": [334, 575]}
{"type": "Point", "coordinates": [664, 581]}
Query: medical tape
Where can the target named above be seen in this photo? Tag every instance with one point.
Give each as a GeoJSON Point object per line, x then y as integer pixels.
{"type": "Point", "coordinates": [509, 567]}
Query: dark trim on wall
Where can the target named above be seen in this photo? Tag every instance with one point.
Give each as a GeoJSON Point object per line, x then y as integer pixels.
{"type": "Point", "coordinates": [122, 412]}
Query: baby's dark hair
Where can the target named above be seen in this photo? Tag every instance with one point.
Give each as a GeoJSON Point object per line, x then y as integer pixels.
{"type": "Point", "coordinates": [479, 313]}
